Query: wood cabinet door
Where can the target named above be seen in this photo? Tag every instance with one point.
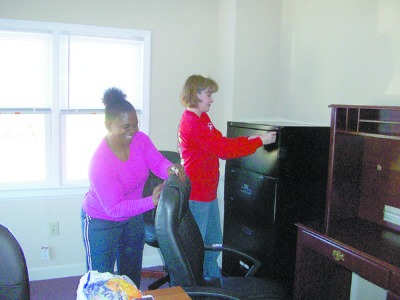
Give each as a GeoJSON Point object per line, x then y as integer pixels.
{"type": "Point", "coordinates": [380, 179]}
{"type": "Point", "coordinates": [318, 277]}
{"type": "Point", "coordinates": [346, 170]}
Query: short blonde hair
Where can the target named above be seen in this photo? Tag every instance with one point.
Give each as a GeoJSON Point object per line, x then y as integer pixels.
{"type": "Point", "coordinates": [193, 85]}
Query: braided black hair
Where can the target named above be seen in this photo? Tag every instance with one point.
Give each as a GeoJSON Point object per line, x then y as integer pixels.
{"type": "Point", "coordinates": [115, 103]}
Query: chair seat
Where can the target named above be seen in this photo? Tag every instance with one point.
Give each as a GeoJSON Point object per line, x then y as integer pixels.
{"type": "Point", "coordinates": [251, 287]}
{"type": "Point", "coordinates": [254, 288]}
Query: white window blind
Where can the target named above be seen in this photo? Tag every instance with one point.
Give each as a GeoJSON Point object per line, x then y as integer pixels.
{"type": "Point", "coordinates": [26, 69]}
{"type": "Point", "coordinates": [53, 77]}
{"type": "Point", "coordinates": [90, 62]}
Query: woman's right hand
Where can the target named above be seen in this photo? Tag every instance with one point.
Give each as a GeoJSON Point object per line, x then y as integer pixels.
{"type": "Point", "coordinates": [156, 194]}
{"type": "Point", "coordinates": [266, 138]}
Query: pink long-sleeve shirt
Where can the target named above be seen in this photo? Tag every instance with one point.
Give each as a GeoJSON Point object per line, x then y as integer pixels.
{"type": "Point", "coordinates": [116, 187]}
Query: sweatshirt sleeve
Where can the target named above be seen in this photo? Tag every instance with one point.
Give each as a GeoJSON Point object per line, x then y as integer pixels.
{"type": "Point", "coordinates": [213, 142]}
{"type": "Point", "coordinates": [155, 161]}
{"type": "Point", "coordinates": [111, 197]}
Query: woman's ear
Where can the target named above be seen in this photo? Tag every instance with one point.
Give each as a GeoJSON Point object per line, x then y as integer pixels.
{"type": "Point", "coordinates": [107, 123]}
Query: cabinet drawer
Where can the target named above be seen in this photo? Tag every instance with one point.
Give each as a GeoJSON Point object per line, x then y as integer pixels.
{"type": "Point", "coordinates": [264, 160]}
{"type": "Point", "coordinates": [363, 266]}
{"type": "Point", "coordinates": [250, 197]}
{"type": "Point", "coordinates": [395, 282]}
{"type": "Point", "coordinates": [392, 296]}
{"type": "Point", "coordinates": [254, 240]}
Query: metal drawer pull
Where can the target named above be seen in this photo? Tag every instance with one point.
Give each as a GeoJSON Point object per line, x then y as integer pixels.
{"type": "Point", "coordinates": [337, 255]}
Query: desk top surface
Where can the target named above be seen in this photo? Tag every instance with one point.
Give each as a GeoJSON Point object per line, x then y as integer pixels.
{"type": "Point", "coordinates": [173, 293]}
{"type": "Point", "coordinates": [363, 236]}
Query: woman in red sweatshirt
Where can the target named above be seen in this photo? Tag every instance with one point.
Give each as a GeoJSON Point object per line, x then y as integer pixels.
{"type": "Point", "coordinates": [201, 146]}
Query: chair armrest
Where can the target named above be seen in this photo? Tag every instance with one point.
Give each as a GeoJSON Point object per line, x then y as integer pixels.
{"type": "Point", "coordinates": [198, 292]}
{"type": "Point", "coordinates": [256, 263]}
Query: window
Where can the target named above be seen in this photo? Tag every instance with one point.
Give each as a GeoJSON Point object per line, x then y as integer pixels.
{"type": "Point", "coordinates": [53, 77]}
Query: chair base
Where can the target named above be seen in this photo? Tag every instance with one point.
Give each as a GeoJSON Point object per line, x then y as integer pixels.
{"type": "Point", "coordinates": [159, 282]}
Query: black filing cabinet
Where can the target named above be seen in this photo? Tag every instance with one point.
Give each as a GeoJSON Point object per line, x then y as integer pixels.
{"type": "Point", "coordinates": [269, 191]}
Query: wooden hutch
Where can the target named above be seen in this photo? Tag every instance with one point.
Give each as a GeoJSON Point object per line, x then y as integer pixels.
{"type": "Point", "coordinates": [361, 231]}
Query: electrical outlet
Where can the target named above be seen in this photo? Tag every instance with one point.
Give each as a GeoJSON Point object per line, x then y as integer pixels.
{"type": "Point", "coordinates": [45, 253]}
{"type": "Point", "coordinates": [53, 228]}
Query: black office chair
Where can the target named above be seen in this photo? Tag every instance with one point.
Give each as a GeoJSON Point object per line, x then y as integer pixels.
{"type": "Point", "coordinates": [14, 280]}
{"type": "Point", "coordinates": [182, 247]}
{"type": "Point", "coordinates": [150, 235]}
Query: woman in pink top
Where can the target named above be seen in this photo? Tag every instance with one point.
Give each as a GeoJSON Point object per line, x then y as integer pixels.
{"type": "Point", "coordinates": [113, 227]}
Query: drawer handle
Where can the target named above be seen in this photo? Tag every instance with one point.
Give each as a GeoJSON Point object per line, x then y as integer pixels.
{"type": "Point", "coordinates": [337, 255]}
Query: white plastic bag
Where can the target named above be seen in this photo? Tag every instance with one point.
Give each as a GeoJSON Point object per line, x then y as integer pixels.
{"type": "Point", "coordinates": [95, 286]}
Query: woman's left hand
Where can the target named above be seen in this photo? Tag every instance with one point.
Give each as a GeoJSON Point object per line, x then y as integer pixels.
{"type": "Point", "coordinates": [178, 170]}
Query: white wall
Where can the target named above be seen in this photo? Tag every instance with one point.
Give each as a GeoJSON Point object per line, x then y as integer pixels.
{"type": "Point", "coordinates": [362, 289]}
{"type": "Point", "coordinates": [256, 72]}
{"type": "Point", "coordinates": [273, 59]}
{"type": "Point", "coordinates": [338, 52]}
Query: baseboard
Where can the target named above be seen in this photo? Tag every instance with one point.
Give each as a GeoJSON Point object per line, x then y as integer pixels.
{"type": "Point", "coordinates": [80, 269]}
{"type": "Point", "coordinates": [56, 272]}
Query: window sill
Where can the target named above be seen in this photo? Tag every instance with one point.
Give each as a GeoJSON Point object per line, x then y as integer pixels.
{"type": "Point", "coordinates": [46, 192]}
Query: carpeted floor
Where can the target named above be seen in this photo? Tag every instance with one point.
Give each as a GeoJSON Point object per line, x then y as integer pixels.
{"type": "Point", "coordinates": [65, 288]}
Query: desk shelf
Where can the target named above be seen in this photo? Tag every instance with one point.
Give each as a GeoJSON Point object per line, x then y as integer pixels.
{"type": "Point", "coordinates": [381, 121]}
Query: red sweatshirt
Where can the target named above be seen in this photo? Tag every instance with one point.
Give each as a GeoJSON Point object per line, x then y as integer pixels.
{"type": "Point", "coordinates": [201, 145]}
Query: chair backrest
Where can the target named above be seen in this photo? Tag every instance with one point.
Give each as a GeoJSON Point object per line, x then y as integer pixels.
{"type": "Point", "coordinates": [14, 280]}
{"type": "Point", "coordinates": [178, 235]}
{"type": "Point", "coordinates": [150, 184]}
{"type": "Point", "coordinates": [153, 180]}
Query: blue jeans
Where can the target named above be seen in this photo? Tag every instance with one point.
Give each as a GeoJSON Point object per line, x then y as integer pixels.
{"type": "Point", "coordinates": [207, 217]}
{"type": "Point", "coordinates": [107, 242]}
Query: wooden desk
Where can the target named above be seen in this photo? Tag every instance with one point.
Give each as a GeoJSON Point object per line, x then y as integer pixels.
{"type": "Point", "coordinates": [173, 293]}
{"type": "Point", "coordinates": [325, 261]}
{"type": "Point", "coordinates": [359, 233]}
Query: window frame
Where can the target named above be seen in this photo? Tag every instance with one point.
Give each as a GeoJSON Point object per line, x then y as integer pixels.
{"type": "Point", "coordinates": [54, 186]}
